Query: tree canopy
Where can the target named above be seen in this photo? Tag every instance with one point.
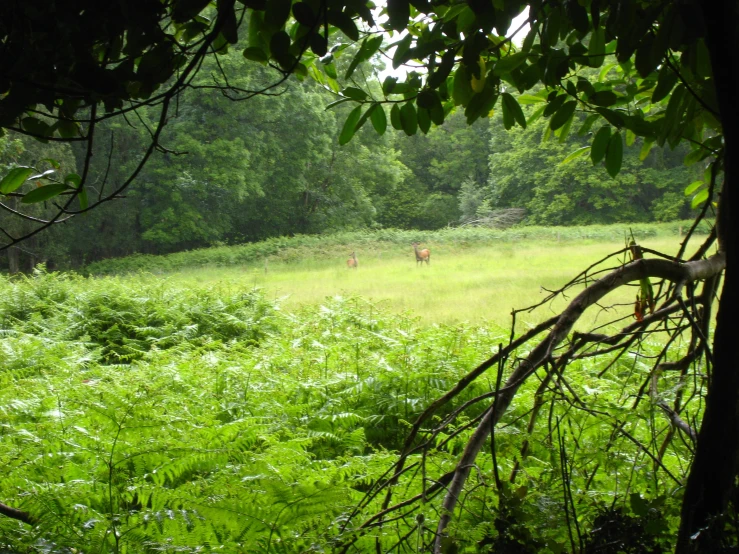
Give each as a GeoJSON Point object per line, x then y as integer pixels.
{"type": "Point", "coordinates": [664, 77]}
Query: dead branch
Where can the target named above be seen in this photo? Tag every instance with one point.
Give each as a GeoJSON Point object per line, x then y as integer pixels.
{"type": "Point", "coordinates": [676, 272]}
{"type": "Point", "coordinates": [20, 515]}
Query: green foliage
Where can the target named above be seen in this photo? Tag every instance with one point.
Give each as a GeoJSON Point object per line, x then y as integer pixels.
{"type": "Point", "coordinates": [530, 169]}
{"type": "Point", "coordinates": [326, 246]}
{"type": "Point", "coordinates": [241, 427]}
{"type": "Point", "coordinates": [206, 436]}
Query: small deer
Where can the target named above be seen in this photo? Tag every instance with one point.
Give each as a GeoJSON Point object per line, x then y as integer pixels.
{"type": "Point", "coordinates": [352, 262]}
{"type": "Point", "coordinates": [422, 255]}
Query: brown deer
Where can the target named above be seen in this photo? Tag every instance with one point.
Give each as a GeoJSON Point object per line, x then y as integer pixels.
{"type": "Point", "coordinates": [352, 262]}
{"type": "Point", "coordinates": [422, 255]}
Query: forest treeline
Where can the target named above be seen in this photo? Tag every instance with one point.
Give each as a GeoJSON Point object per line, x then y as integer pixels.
{"type": "Point", "coordinates": [230, 172]}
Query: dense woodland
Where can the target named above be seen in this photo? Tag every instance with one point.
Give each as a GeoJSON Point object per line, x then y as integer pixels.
{"type": "Point", "coordinates": [271, 166]}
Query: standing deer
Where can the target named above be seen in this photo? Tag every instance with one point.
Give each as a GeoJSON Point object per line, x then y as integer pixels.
{"type": "Point", "coordinates": [422, 255]}
{"type": "Point", "coordinates": [352, 262]}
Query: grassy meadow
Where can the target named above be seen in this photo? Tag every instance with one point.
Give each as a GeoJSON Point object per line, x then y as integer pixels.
{"type": "Point", "coordinates": [472, 284]}
{"type": "Point", "coordinates": [175, 407]}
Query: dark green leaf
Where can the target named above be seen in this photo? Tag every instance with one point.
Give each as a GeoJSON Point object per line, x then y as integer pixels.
{"type": "Point", "coordinates": [587, 124]}
{"type": "Point", "coordinates": [600, 143]}
{"type": "Point", "coordinates": [219, 46]}
{"type": "Point", "coordinates": [481, 105]}
{"type": "Point", "coordinates": [354, 93]}
{"type": "Point", "coordinates": [352, 66]}
{"type": "Point", "coordinates": [645, 149]}
{"type": "Point", "coordinates": [409, 119]}
{"type": "Point", "coordinates": [276, 13]}
{"type": "Point", "coordinates": [695, 156]}
{"type": "Point", "coordinates": [630, 137]}
{"type": "Point", "coordinates": [510, 105]}
{"type": "Point", "coordinates": [303, 14]}
{"type": "Point", "coordinates": [665, 82]}
{"type": "Point", "coordinates": [229, 24]}
{"type": "Point", "coordinates": [36, 127]}
{"type": "Point", "coordinates": [372, 45]}
{"type": "Point", "coordinates": [508, 63]}
{"type": "Point", "coordinates": [583, 85]}
{"type": "Point", "coordinates": [438, 114]}
{"type": "Point", "coordinates": [67, 129]}
{"type": "Point", "coordinates": [578, 16]}
{"type": "Point", "coordinates": [614, 154]}
{"type": "Point", "coordinates": [365, 117]}
{"type": "Point", "coordinates": [330, 70]}
{"type": "Point", "coordinates": [43, 193]}
{"type": "Point", "coordinates": [639, 506]}
{"type": "Point", "coordinates": [508, 120]}
{"type": "Point", "coordinates": [52, 162]}
{"type": "Point", "coordinates": [279, 46]}
{"type": "Point", "coordinates": [379, 120]}
{"type": "Point", "coordinates": [564, 131]}
{"type": "Point", "coordinates": [82, 196]}
{"type": "Point", "coordinates": [424, 120]}
{"type": "Point", "coordinates": [402, 51]}
{"type": "Point", "coordinates": [395, 118]}
{"type": "Point", "coordinates": [576, 154]}
{"type": "Point", "coordinates": [337, 102]}
{"type": "Point", "coordinates": [554, 104]}
{"type": "Point", "coordinates": [612, 117]}
{"type": "Point", "coordinates": [345, 23]}
{"type": "Point", "coordinates": [398, 11]}
{"type": "Point", "coordinates": [603, 98]}
{"type": "Point", "coordinates": [15, 178]}
{"type": "Point", "coordinates": [552, 23]}
{"type": "Point", "coordinates": [462, 92]}
{"type": "Point", "coordinates": [73, 179]}
{"type": "Point", "coordinates": [254, 30]}
{"type": "Point", "coordinates": [702, 60]}
{"type": "Point", "coordinates": [639, 126]}
{"type": "Point", "coordinates": [185, 10]}
{"type": "Point", "coordinates": [350, 125]}
{"type": "Point", "coordinates": [536, 115]}
{"type": "Point", "coordinates": [318, 44]}
{"type": "Point", "coordinates": [597, 47]}
{"type": "Point", "coordinates": [389, 84]}
{"type": "Point", "coordinates": [443, 70]}
{"type": "Point", "coordinates": [531, 36]}
{"type": "Point", "coordinates": [366, 51]}
{"type": "Point", "coordinates": [644, 60]}
{"type": "Point", "coordinates": [563, 115]}
{"type": "Point", "coordinates": [672, 113]}
{"type": "Point", "coordinates": [256, 54]}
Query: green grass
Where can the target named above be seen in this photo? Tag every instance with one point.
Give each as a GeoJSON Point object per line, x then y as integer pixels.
{"type": "Point", "coordinates": [139, 415]}
{"type": "Point", "coordinates": [476, 275]}
{"type": "Point", "coordinates": [462, 284]}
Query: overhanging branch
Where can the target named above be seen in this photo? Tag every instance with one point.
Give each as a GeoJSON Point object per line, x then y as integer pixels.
{"type": "Point", "coordinates": [676, 272]}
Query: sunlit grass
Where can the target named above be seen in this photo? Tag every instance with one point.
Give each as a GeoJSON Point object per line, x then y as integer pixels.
{"type": "Point", "coordinates": [460, 285]}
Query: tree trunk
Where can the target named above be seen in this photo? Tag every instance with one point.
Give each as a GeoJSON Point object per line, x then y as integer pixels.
{"type": "Point", "coordinates": [13, 261]}
{"type": "Point", "coordinates": [712, 476]}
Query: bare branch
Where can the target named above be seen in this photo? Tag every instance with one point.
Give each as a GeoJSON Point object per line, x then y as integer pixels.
{"type": "Point", "coordinates": [679, 273]}
{"type": "Point", "coordinates": [20, 515]}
